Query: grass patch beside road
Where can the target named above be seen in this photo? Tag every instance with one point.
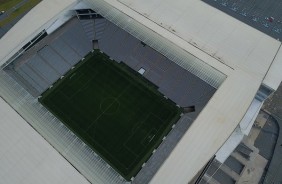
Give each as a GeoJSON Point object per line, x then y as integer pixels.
{"type": "Point", "coordinates": [8, 4]}
{"type": "Point", "coordinates": [19, 11]}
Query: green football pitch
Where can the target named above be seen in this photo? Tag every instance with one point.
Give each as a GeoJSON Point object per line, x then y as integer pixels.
{"type": "Point", "coordinates": [113, 109]}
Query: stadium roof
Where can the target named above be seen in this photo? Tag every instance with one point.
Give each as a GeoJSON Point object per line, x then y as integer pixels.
{"type": "Point", "coordinates": [246, 56]}
{"type": "Point", "coordinates": [26, 157]}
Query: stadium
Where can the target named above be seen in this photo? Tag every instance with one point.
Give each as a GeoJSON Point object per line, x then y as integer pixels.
{"type": "Point", "coordinates": [121, 91]}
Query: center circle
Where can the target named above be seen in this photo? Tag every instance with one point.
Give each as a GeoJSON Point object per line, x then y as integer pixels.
{"type": "Point", "coordinates": [109, 105]}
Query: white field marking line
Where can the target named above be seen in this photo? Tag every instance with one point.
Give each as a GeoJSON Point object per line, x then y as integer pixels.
{"type": "Point", "coordinates": [113, 157]}
{"type": "Point", "coordinates": [85, 85]}
{"type": "Point", "coordinates": [72, 75]}
{"type": "Point", "coordinates": [152, 138]}
{"type": "Point", "coordinates": [101, 104]}
{"type": "Point", "coordinates": [107, 108]}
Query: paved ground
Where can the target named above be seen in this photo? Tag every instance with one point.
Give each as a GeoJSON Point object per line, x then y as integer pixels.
{"type": "Point", "coordinates": [265, 16]}
{"type": "Point", "coordinates": [253, 170]}
{"type": "Point", "coordinates": [248, 162]}
{"type": "Point", "coordinates": [274, 104]}
{"type": "Point", "coordinates": [274, 107]}
{"type": "Point", "coordinates": [267, 138]}
{"type": "Point", "coordinates": [273, 174]}
{"type": "Point", "coordinates": [255, 164]}
{"type": "Point", "coordinates": [217, 174]}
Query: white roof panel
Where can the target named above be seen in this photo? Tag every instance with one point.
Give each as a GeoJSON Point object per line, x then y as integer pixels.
{"type": "Point", "coordinates": [274, 75]}
{"type": "Point", "coordinates": [26, 158]}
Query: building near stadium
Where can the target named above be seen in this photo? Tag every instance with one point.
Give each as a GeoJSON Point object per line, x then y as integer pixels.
{"type": "Point", "coordinates": [127, 91]}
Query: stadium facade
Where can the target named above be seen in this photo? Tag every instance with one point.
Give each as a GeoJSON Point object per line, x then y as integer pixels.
{"type": "Point", "coordinates": [239, 66]}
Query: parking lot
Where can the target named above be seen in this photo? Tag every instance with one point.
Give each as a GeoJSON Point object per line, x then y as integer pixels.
{"type": "Point", "coordinates": [265, 16]}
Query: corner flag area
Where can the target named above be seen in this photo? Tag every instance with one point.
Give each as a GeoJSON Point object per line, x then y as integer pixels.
{"type": "Point", "coordinates": [117, 112]}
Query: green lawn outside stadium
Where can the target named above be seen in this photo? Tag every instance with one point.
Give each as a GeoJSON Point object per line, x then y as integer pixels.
{"type": "Point", "coordinates": [9, 4]}
{"type": "Point", "coordinates": [117, 112]}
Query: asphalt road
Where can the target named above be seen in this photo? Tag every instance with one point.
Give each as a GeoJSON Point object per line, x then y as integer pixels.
{"type": "Point", "coordinates": [11, 10]}
{"type": "Point", "coordinates": [7, 27]}
{"type": "Point", "coordinates": [273, 106]}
